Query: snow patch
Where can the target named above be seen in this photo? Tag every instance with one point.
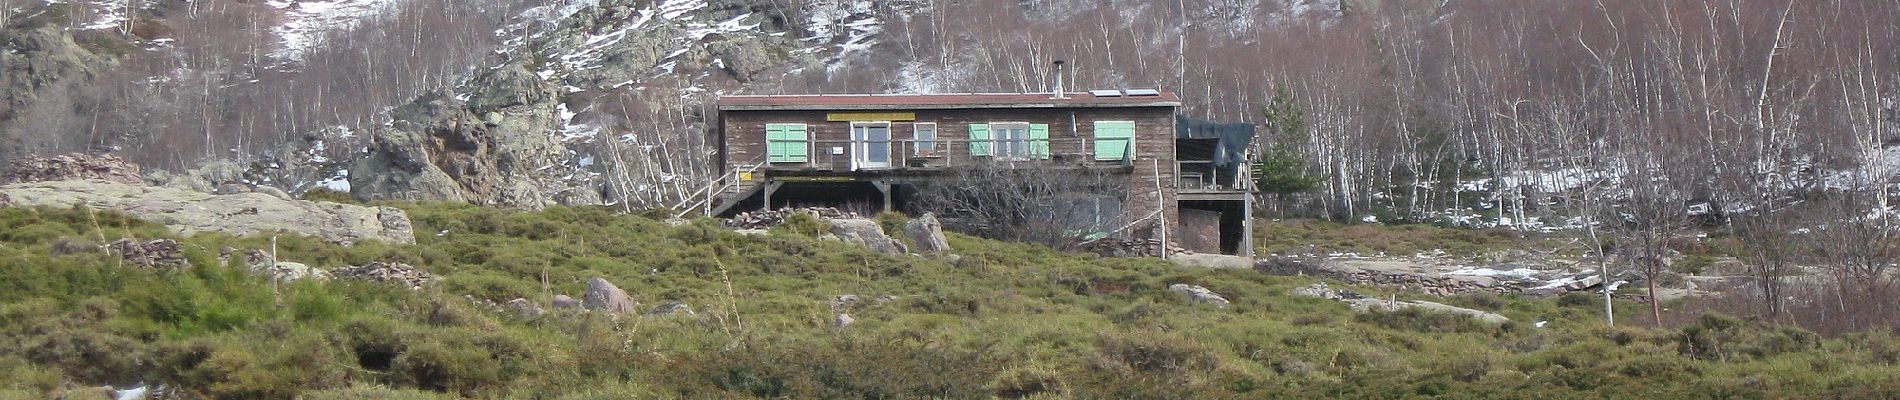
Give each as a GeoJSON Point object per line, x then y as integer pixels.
{"type": "Point", "coordinates": [305, 21]}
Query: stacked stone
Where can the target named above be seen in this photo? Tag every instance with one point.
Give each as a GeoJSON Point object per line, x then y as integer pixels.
{"type": "Point", "coordinates": [160, 253]}
{"type": "Point", "coordinates": [382, 272]}
{"type": "Point", "coordinates": [769, 218]}
{"type": "Point", "coordinates": [1130, 247]}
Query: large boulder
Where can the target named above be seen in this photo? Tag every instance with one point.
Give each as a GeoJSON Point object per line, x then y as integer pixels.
{"type": "Point", "coordinates": [604, 296]}
{"type": "Point", "coordinates": [73, 166]}
{"type": "Point", "coordinates": [190, 212]}
{"type": "Point", "coordinates": [1200, 294]}
{"type": "Point", "coordinates": [927, 232]}
{"type": "Point", "coordinates": [867, 233]}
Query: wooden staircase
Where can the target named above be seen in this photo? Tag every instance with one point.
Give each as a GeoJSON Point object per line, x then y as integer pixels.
{"type": "Point", "coordinates": [721, 193]}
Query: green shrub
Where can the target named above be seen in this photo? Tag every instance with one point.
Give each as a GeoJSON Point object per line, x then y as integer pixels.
{"type": "Point", "coordinates": [1418, 320]}
{"type": "Point", "coordinates": [1150, 351]}
{"type": "Point", "coordinates": [1029, 382]}
{"type": "Point", "coordinates": [363, 392]}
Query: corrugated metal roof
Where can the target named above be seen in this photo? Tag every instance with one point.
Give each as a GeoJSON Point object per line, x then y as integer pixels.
{"type": "Point", "coordinates": [937, 101]}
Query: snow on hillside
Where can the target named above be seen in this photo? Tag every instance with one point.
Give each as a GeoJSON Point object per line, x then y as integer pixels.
{"type": "Point", "coordinates": [305, 21]}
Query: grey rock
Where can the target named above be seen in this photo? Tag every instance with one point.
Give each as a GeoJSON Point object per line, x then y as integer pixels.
{"type": "Point", "coordinates": [844, 299]}
{"type": "Point", "coordinates": [562, 301]}
{"type": "Point", "coordinates": [190, 212]}
{"type": "Point", "coordinates": [604, 296]}
{"type": "Point", "coordinates": [1200, 294]}
{"type": "Point", "coordinates": [438, 150]}
{"type": "Point", "coordinates": [843, 320]}
{"type": "Point", "coordinates": [273, 191]}
{"type": "Point", "coordinates": [1317, 290]}
{"type": "Point", "coordinates": [207, 178]}
{"type": "Point", "coordinates": [232, 188]}
{"type": "Point", "coordinates": [283, 271]}
{"type": "Point", "coordinates": [672, 308]}
{"type": "Point", "coordinates": [927, 232]}
{"type": "Point", "coordinates": [867, 233]}
{"type": "Point", "coordinates": [40, 61]}
{"type": "Point", "coordinates": [525, 308]}
{"type": "Point", "coordinates": [510, 85]}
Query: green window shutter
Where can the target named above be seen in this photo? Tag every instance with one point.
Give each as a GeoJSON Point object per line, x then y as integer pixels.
{"type": "Point", "coordinates": [980, 140]}
{"type": "Point", "coordinates": [774, 152]}
{"type": "Point", "coordinates": [786, 143]}
{"type": "Point", "coordinates": [1039, 141]}
{"type": "Point", "coordinates": [1114, 140]}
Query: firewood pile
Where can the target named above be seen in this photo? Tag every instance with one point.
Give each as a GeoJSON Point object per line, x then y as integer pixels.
{"type": "Point", "coordinates": [71, 167]}
{"type": "Point", "coordinates": [769, 218]}
{"type": "Point", "coordinates": [159, 253]}
{"type": "Point", "coordinates": [1111, 247]}
{"type": "Point", "coordinates": [392, 273]}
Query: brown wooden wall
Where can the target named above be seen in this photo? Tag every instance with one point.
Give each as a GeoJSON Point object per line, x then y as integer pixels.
{"type": "Point", "coordinates": [744, 139]}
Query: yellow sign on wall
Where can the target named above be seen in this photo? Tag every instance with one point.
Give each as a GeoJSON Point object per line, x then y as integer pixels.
{"type": "Point", "coordinates": [870, 116]}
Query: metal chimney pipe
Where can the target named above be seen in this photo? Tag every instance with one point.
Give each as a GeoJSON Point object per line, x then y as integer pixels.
{"type": "Point", "coordinates": [1059, 93]}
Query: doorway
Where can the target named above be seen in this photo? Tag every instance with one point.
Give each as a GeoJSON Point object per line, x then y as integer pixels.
{"type": "Point", "coordinates": [870, 145]}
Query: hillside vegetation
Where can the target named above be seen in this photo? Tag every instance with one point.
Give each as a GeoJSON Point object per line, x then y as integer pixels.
{"type": "Point", "coordinates": [1001, 320]}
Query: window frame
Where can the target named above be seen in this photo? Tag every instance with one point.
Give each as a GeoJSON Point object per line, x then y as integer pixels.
{"type": "Point", "coordinates": [919, 142]}
{"type": "Point", "coordinates": [1008, 148]}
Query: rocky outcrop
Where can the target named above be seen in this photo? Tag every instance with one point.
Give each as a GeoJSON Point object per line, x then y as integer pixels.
{"type": "Point", "coordinates": [494, 150]}
{"type": "Point", "coordinates": [159, 253]}
{"type": "Point", "coordinates": [206, 178]}
{"type": "Point", "coordinates": [191, 212]}
{"type": "Point", "coordinates": [1199, 294]}
{"type": "Point", "coordinates": [73, 166]}
{"type": "Point", "coordinates": [399, 274]}
{"type": "Point", "coordinates": [927, 232]}
{"type": "Point", "coordinates": [40, 60]}
{"type": "Point", "coordinates": [604, 296]}
{"type": "Point", "coordinates": [867, 233]}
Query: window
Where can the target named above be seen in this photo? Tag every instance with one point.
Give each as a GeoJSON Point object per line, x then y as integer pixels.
{"type": "Point", "coordinates": [925, 134]}
{"type": "Point", "coordinates": [786, 143]}
{"type": "Point", "coordinates": [1114, 140]}
{"type": "Point", "coordinates": [871, 145]}
{"type": "Point", "coordinates": [1011, 138]}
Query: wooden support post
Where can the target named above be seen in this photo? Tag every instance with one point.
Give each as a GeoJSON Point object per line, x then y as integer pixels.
{"type": "Point", "coordinates": [770, 186]}
{"type": "Point", "coordinates": [884, 187]}
{"type": "Point", "coordinates": [1246, 225]}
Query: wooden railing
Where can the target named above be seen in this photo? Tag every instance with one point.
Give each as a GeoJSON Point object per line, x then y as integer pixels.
{"type": "Point", "coordinates": [947, 153]}
{"type": "Point", "coordinates": [703, 200]}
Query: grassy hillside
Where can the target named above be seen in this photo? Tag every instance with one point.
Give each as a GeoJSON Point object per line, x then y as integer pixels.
{"type": "Point", "coordinates": [1003, 320]}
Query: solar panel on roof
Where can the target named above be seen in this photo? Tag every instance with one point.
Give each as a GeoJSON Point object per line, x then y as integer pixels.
{"type": "Point", "coordinates": [1143, 92]}
{"type": "Point", "coordinates": [1105, 93]}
